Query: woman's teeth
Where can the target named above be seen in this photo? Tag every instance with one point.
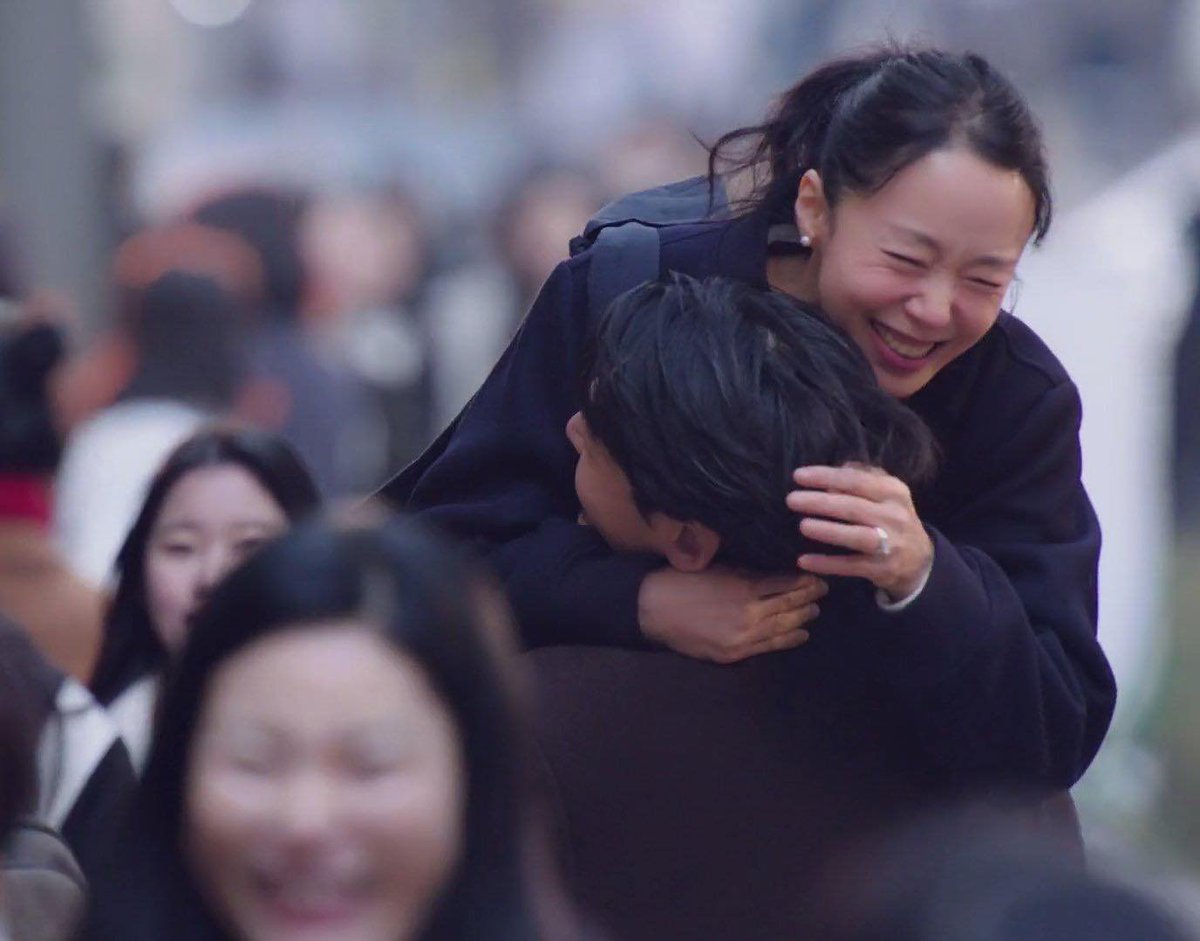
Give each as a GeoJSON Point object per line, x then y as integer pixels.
{"type": "Point", "coordinates": [901, 345]}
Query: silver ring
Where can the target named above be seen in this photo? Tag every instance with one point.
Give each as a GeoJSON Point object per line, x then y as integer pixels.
{"type": "Point", "coordinates": [884, 549]}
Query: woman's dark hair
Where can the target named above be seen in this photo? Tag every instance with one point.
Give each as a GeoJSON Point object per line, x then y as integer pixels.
{"type": "Point", "coordinates": [860, 120]}
{"type": "Point", "coordinates": [423, 598]}
{"type": "Point", "coordinates": [709, 394]}
{"type": "Point", "coordinates": [131, 648]}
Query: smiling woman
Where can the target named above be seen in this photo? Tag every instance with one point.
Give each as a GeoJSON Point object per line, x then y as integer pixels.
{"type": "Point", "coordinates": [339, 757]}
{"type": "Point", "coordinates": [326, 786]}
{"type": "Point", "coordinates": [217, 498]}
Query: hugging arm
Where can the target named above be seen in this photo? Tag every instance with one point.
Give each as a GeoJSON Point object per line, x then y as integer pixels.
{"type": "Point", "coordinates": [997, 660]}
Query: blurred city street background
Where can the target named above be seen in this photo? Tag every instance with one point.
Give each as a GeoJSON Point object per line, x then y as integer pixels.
{"type": "Point", "coordinates": [436, 155]}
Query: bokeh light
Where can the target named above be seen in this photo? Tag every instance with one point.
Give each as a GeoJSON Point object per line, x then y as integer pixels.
{"type": "Point", "coordinates": [210, 12]}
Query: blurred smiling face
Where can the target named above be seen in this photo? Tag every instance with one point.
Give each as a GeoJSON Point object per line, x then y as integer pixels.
{"type": "Point", "coordinates": [211, 519]}
{"type": "Point", "coordinates": [324, 798]}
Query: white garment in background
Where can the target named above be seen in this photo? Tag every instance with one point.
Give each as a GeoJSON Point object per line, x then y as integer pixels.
{"type": "Point", "coordinates": [133, 713]}
{"type": "Point", "coordinates": [106, 469]}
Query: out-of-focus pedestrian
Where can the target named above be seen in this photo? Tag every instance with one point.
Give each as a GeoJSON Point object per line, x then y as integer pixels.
{"type": "Point", "coordinates": [174, 360]}
{"type": "Point", "coordinates": [59, 611]}
{"type": "Point", "coordinates": [339, 756]}
{"type": "Point", "coordinates": [218, 496]}
{"type": "Point", "coordinates": [300, 389]}
{"type": "Point", "coordinates": [84, 774]}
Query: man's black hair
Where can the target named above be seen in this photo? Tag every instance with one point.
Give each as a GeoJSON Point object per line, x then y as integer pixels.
{"type": "Point", "coordinates": [708, 394]}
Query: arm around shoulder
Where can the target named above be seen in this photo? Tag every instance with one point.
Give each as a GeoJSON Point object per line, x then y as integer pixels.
{"type": "Point", "coordinates": [503, 479]}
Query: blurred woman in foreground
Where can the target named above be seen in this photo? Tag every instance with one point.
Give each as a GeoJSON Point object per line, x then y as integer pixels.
{"type": "Point", "coordinates": [338, 756]}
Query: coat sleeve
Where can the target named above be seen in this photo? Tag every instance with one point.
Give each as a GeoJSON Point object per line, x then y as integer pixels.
{"type": "Point", "coordinates": [503, 479]}
{"type": "Point", "coordinates": [997, 662]}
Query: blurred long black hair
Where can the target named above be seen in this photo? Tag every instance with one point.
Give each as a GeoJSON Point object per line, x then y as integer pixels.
{"type": "Point", "coordinates": [131, 648]}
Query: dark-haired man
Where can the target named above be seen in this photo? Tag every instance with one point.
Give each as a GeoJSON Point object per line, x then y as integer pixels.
{"type": "Point", "coordinates": [710, 800]}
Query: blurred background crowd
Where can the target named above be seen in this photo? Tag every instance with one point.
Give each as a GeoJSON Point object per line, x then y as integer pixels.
{"type": "Point", "coordinates": [327, 219]}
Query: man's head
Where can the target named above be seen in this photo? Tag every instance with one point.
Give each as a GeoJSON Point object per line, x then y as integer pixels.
{"type": "Point", "coordinates": [699, 399]}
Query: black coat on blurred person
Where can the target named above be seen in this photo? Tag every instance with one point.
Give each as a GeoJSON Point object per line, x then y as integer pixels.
{"type": "Point", "coordinates": [84, 775]}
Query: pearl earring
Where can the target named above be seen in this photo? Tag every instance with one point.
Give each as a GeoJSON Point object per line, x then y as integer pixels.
{"type": "Point", "coordinates": [805, 241]}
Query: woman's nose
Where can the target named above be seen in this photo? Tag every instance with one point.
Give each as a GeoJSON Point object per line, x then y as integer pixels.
{"type": "Point", "coordinates": [933, 305]}
{"type": "Point", "coordinates": [213, 566]}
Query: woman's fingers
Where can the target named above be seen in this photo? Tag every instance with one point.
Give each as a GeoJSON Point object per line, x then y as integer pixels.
{"type": "Point", "coordinates": [811, 588]}
{"type": "Point", "coordinates": [851, 565]}
{"type": "Point", "coordinates": [770, 586]}
{"type": "Point", "coordinates": [863, 539]}
{"type": "Point", "coordinates": [871, 482]}
{"type": "Point", "coordinates": [838, 506]}
{"type": "Point", "coordinates": [785, 622]}
{"type": "Point", "coordinates": [785, 641]}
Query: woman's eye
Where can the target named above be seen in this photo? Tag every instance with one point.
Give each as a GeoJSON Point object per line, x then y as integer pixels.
{"type": "Point", "coordinates": [371, 761]}
{"type": "Point", "coordinates": [367, 769]}
{"type": "Point", "coordinates": [177, 549]}
{"type": "Point", "coordinates": [257, 765]}
{"type": "Point", "coordinates": [986, 286]}
{"type": "Point", "coordinates": [907, 260]}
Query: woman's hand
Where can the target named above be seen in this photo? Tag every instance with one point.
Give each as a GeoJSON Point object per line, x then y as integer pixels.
{"type": "Point", "coordinates": [725, 616]}
{"type": "Point", "coordinates": [867, 510]}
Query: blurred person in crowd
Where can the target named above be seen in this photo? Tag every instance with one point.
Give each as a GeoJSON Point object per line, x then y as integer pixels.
{"type": "Point", "coordinates": [218, 496]}
{"type": "Point", "coordinates": [896, 189]}
{"type": "Point", "coordinates": [964, 874]}
{"type": "Point", "coordinates": [84, 774]}
{"type": "Point", "coordinates": [339, 756]}
{"type": "Point", "coordinates": [539, 213]}
{"type": "Point", "coordinates": [1185, 418]}
{"type": "Point", "coordinates": [60, 612]}
{"type": "Point", "coordinates": [41, 887]}
{"type": "Point", "coordinates": [173, 361]}
{"type": "Point", "coordinates": [18, 779]}
{"type": "Point", "coordinates": [300, 390]}
{"type": "Point", "coordinates": [371, 255]}
{"type": "Point", "coordinates": [653, 150]}
{"type": "Point", "coordinates": [476, 309]}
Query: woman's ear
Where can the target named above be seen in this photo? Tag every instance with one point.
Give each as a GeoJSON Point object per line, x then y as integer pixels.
{"type": "Point", "coordinates": [688, 547]}
{"type": "Point", "coordinates": [811, 208]}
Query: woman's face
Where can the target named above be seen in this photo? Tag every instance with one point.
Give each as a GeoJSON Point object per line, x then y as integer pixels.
{"type": "Point", "coordinates": [210, 520]}
{"type": "Point", "coordinates": [916, 272]}
{"type": "Point", "coordinates": [324, 796]}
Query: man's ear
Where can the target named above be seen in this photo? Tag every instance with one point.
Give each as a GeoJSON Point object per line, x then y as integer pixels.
{"type": "Point", "coordinates": [811, 207]}
{"type": "Point", "coordinates": [689, 547]}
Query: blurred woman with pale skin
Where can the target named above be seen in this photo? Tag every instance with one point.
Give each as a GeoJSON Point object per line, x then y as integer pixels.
{"type": "Point", "coordinates": [218, 497]}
